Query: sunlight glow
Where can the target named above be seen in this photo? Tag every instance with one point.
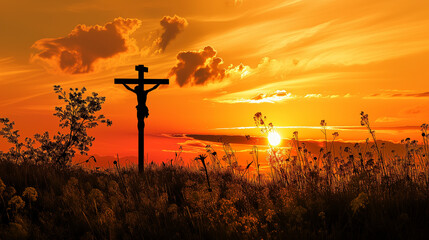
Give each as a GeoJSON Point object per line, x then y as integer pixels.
{"type": "Point", "coordinates": [274, 138]}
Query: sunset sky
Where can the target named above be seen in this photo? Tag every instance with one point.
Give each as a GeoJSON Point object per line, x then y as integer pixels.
{"type": "Point", "coordinates": [296, 61]}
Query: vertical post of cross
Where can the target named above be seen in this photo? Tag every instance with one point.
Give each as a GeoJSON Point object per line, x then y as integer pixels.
{"type": "Point", "coordinates": [140, 121]}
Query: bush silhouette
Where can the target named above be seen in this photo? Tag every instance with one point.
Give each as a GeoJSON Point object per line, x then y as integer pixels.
{"type": "Point", "coordinates": [79, 114]}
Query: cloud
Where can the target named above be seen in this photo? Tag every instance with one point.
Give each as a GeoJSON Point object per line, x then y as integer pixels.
{"type": "Point", "coordinates": [277, 96]}
{"type": "Point", "coordinates": [9, 69]}
{"type": "Point", "coordinates": [397, 94]}
{"type": "Point", "coordinates": [313, 145]}
{"type": "Point", "coordinates": [232, 139]}
{"type": "Point", "coordinates": [193, 143]}
{"type": "Point", "coordinates": [418, 95]}
{"type": "Point", "coordinates": [171, 26]}
{"type": "Point", "coordinates": [200, 67]}
{"type": "Point", "coordinates": [318, 95]}
{"type": "Point", "coordinates": [193, 146]}
{"type": "Point", "coordinates": [387, 119]}
{"type": "Point", "coordinates": [200, 141]}
{"type": "Point", "coordinates": [394, 129]}
{"type": "Point", "coordinates": [269, 80]}
{"type": "Point", "coordinates": [174, 135]}
{"type": "Point", "coordinates": [413, 110]}
{"type": "Point", "coordinates": [238, 2]}
{"type": "Point", "coordinates": [313, 95]}
{"type": "Point", "coordinates": [85, 45]}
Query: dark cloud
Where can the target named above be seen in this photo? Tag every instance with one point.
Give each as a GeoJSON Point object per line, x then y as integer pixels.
{"type": "Point", "coordinates": [312, 145]}
{"type": "Point", "coordinates": [198, 140]}
{"type": "Point", "coordinates": [171, 26]}
{"type": "Point", "coordinates": [80, 49]}
{"type": "Point", "coordinates": [423, 94]}
{"type": "Point", "coordinates": [193, 144]}
{"type": "Point", "coordinates": [414, 110]}
{"type": "Point", "coordinates": [279, 95]}
{"type": "Point", "coordinates": [174, 135]}
{"type": "Point", "coordinates": [198, 67]}
{"type": "Point", "coordinates": [400, 95]}
{"type": "Point", "coordinates": [258, 97]}
{"type": "Point", "coordinates": [233, 139]}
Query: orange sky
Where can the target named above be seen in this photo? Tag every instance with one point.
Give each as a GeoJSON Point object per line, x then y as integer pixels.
{"type": "Point", "coordinates": [295, 61]}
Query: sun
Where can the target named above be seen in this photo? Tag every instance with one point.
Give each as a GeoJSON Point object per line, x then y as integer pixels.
{"type": "Point", "coordinates": [274, 138]}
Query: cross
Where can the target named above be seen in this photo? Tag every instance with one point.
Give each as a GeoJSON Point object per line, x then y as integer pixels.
{"type": "Point", "coordinates": [142, 110]}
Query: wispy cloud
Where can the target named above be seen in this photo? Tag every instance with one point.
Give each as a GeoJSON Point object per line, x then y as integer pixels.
{"type": "Point", "coordinates": [193, 144]}
{"type": "Point", "coordinates": [330, 32]}
{"type": "Point", "coordinates": [387, 119]}
{"type": "Point", "coordinates": [238, 2]}
{"type": "Point", "coordinates": [275, 80]}
{"type": "Point", "coordinates": [398, 94]}
{"type": "Point", "coordinates": [277, 96]}
{"type": "Point", "coordinates": [414, 110]}
{"type": "Point", "coordinates": [242, 143]}
{"type": "Point", "coordinates": [296, 127]}
{"type": "Point", "coordinates": [175, 135]}
{"type": "Point", "coordinates": [16, 100]}
{"type": "Point", "coordinates": [9, 68]}
{"type": "Point", "coordinates": [332, 128]}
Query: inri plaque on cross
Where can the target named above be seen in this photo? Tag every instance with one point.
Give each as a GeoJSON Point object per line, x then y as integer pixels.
{"type": "Point", "coordinates": [142, 110]}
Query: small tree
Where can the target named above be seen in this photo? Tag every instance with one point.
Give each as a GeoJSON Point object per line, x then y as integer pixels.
{"type": "Point", "coordinates": [78, 115]}
{"type": "Point", "coordinates": [12, 136]}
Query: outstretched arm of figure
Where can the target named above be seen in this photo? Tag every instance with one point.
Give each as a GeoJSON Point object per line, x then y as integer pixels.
{"type": "Point", "coordinates": [127, 87]}
{"type": "Point", "coordinates": [151, 89]}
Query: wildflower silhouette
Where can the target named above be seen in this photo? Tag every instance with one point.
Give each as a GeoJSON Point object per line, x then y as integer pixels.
{"type": "Point", "coordinates": [2, 186]}
{"type": "Point", "coordinates": [359, 202]}
{"type": "Point", "coordinates": [16, 203]}
{"type": "Point", "coordinates": [30, 193]}
{"type": "Point", "coordinates": [365, 122]}
{"type": "Point", "coordinates": [202, 158]}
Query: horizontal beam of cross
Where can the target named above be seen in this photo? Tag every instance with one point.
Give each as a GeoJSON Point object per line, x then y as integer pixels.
{"type": "Point", "coordinates": [139, 81]}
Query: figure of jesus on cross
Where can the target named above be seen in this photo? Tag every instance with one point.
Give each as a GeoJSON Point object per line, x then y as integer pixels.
{"type": "Point", "coordinates": [142, 109]}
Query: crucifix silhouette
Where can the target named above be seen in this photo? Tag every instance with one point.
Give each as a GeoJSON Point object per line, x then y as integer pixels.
{"type": "Point", "coordinates": [142, 110]}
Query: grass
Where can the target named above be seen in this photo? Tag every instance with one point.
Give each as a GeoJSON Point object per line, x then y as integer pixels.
{"type": "Point", "coordinates": [171, 202]}
{"type": "Point", "coordinates": [364, 192]}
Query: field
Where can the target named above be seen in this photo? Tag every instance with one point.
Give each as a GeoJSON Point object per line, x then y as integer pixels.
{"type": "Point", "coordinates": [356, 198]}
{"type": "Point", "coordinates": [365, 191]}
